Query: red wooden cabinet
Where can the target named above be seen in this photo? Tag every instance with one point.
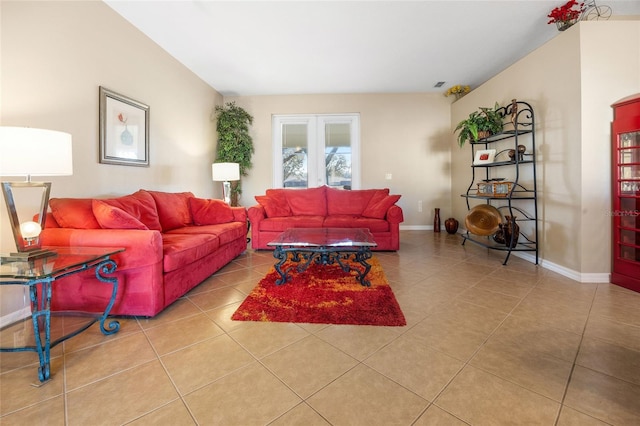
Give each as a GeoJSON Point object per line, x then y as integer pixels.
{"type": "Point", "coordinates": [625, 134]}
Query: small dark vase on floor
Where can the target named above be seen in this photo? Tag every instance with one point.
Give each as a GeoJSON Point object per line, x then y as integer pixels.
{"type": "Point", "coordinates": [436, 221]}
{"type": "Point", "coordinates": [498, 237]}
{"type": "Point", "coordinates": [451, 225]}
{"type": "Point", "coordinates": [511, 230]}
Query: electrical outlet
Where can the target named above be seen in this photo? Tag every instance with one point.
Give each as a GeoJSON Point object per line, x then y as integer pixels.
{"type": "Point", "coordinates": [420, 206]}
{"type": "Point", "coordinates": [388, 176]}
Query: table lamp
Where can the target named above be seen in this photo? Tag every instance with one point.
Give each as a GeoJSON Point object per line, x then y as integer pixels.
{"type": "Point", "coordinates": [31, 152]}
{"type": "Point", "coordinates": [225, 172]}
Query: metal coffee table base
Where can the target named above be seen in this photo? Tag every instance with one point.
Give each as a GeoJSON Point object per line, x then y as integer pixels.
{"type": "Point", "coordinates": [304, 256]}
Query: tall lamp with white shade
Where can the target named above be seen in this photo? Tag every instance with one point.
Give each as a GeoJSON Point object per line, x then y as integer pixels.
{"type": "Point", "coordinates": [225, 173]}
{"type": "Point", "coordinates": [31, 152]}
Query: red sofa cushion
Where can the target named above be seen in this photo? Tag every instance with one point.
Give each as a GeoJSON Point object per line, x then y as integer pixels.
{"type": "Point", "coordinates": [280, 224]}
{"type": "Point", "coordinates": [110, 217]}
{"type": "Point", "coordinates": [210, 212]}
{"type": "Point", "coordinates": [140, 205]}
{"type": "Point", "coordinates": [349, 221]}
{"type": "Point", "coordinates": [379, 204]}
{"type": "Point", "coordinates": [305, 202]}
{"type": "Point", "coordinates": [226, 232]}
{"type": "Point", "coordinates": [340, 201]}
{"type": "Point", "coordinates": [180, 250]}
{"type": "Point", "coordinates": [275, 205]}
{"type": "Point", "coordinates": [74, 213]}
{"type": "Point", "coordinates": [173, 209]}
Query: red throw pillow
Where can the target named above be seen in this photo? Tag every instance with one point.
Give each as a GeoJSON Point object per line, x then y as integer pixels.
{"type": "Point", "coordinates": [110, 217]}
{"type": "Point", "coordinates": [173, 209]}
{"type": "Point", "coordinates": [73, 213]}
{"type": "Point", "coordinates": [140, 205]}
{"type": "Point", "coordinates": [274, 205]}
{"type": "Point", "coordinates": [210, 212]}
{"type": "Point", "coordinates": [379, 204]}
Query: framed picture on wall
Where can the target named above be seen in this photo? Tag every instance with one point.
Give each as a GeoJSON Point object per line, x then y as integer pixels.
{"type": "Point", "coordinates": [484, 156]}
{"type": "Point", "coordinates": [124, 130]}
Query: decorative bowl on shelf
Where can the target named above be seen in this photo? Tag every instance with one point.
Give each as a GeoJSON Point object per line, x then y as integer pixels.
{"type": "Point", "coordinates": [483, 220]}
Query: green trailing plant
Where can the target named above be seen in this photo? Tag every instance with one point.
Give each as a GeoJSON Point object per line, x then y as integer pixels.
{"type": "Point", "coordinates": [486, 120]}
{"type": "Point", "coordinates": [235, 144]}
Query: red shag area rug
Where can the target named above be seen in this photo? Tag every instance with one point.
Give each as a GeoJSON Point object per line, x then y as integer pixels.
{"type": "Point", "coordinates": [323, 294]}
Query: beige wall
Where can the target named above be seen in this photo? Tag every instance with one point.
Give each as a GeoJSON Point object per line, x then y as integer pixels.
{"type": "Point", "coordinates": [407, 135]}
{"type": "Point", "coordinates": [571, 82]}
{"type": "Point", "coordinates": [55, 55]}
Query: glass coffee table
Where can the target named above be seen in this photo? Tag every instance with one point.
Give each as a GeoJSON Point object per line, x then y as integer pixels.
{"type": "Point", "coordinates": [42, 277]}
{"type": "Point", "coordinates": [324, 246]}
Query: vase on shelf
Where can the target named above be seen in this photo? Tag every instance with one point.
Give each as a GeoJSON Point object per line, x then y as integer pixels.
{"type": "Point", "coordinates": [564, 25]}
{"type": "Point", "coordinates": [511, 231]}
{"type": "Point", "coordinates": [451, 225]}
{"type": "Point", "coordinates": [436, 220]}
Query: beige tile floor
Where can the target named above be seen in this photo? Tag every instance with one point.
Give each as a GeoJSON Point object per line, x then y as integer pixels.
{"type": "Point", "coordinates": [485, 344]}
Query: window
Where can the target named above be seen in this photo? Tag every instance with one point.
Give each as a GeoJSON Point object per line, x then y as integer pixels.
{"type": "Point", "coordinates": [315, 150]}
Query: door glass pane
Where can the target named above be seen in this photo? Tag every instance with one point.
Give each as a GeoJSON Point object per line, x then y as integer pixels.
{"type": "Point", "coordinates": [630, 139]}
{"type": "Point", "coordinates": [295, 148]}
{"type": "Point", "coordinates": [337, 155]}
{"type": "Point", "coordinates": [629, 160]}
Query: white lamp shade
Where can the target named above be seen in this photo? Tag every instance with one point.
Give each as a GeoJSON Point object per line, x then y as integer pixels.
{"type": "Point", "coordinates": [225, 171]}
{"type": "Point", "coordinates": [25, 151]}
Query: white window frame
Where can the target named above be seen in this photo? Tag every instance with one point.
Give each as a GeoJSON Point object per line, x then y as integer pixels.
{"type": "Point", "coordinates": [315, 138]}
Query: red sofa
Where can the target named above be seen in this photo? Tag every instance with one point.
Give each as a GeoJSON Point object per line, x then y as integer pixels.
{"type": "Point", "coordinates": [325, 207]}
{"type": "Point", "coordinates": [173, 242]}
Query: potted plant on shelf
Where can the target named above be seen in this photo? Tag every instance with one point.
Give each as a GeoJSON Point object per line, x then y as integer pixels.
{"type": "Point", "coordinates": [480, 124]}
{"type": "Point", "coordinates": [566, 15]}
{"type": "Point", "coordinates": [235, 144]}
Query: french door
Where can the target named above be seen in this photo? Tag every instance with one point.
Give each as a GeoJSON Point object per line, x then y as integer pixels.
{"type": "Point", "coordinates": [315, 150]}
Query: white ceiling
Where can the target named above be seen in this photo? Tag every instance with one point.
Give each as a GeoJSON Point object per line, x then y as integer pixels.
{"type": "Point", "coordinates": [302, 47]}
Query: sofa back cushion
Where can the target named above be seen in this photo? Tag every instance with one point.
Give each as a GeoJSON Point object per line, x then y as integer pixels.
{"type": "Point", "coordinates": [379, 204]}
{"type": "Point", "coordinates": [73, 213]}
{"type": "Point", "coordinates": [340, 201]}
{"type": "Point", "coordinates": [210, 212]}
{"type": "Point", "coordinates": [173, 209]}
{"type": "Point", "coordinates": [141, 206]}
{"type": "Point", "coordinates": [275, 205]}
{"type": "Point", "coordinates": [111, 217]}
{"type": "Point", "coordinates": [305, 202]}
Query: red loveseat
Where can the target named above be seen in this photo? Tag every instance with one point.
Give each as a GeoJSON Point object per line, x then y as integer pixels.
{"type": "Point", "coordinates": [172, 241]}
{"type": "Point", "coordinates": [326, 207]}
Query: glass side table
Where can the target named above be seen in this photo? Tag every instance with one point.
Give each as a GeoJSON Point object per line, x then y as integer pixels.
{"type": "Point", "coordinates": [39, 277]}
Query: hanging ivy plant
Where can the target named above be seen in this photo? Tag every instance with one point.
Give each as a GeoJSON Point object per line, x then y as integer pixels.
{"type": "Point", "coordinates": [235, 144]}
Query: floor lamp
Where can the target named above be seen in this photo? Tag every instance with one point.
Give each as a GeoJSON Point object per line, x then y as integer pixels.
{"type": "Point", "coordinates": [31, 152]}
{"type": "Point", "coordinates": [225, 172]}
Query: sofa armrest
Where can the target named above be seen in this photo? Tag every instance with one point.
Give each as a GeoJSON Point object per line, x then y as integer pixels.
{"type": "Point", "coordinates": [142, 248]}
{"type": "Point", "coordinates": [256, 214]}
{"type": "Point", "coordinates": [239, 214]}
{"type": "Point", "coordinates": [394, 214]}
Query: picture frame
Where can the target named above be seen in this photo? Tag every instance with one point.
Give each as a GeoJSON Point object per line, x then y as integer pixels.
{"type": "Point", "coordinates": [484, 156]}
{"type": "Point", "coordinates": [124, 130]}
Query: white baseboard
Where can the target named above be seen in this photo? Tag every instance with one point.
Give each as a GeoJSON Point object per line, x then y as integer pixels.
{"type": "Point", "coordinates": [416, 227]}
{"type": "Point", "coordinates": [15, 316]}
{"type": "Point", "coordinates": [596, 277]}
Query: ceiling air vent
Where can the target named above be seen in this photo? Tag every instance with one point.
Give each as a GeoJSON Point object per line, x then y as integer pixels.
{"type": "Point", "coordinates": [439, 84]}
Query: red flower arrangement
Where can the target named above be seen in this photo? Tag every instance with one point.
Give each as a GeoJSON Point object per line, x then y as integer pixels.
{"type": "Point", "coordinates": [566, 13]}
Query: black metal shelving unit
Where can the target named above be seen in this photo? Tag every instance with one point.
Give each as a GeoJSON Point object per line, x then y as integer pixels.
{"type": "Point", "coordinates": [521, 200]}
